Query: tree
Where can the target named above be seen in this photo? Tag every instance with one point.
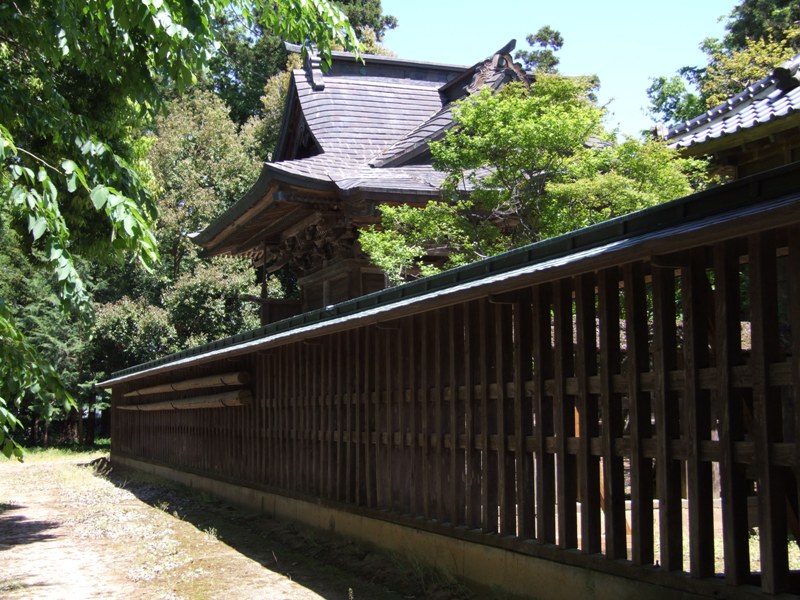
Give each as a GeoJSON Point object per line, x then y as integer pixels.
{"type": "Point", "coordinates": [539, 164]}
{"type": "Point", "coordinates": [246, 61]}
{"type": "Point", "coordinates": [730, 71]}
{"type": "Point", "coordinates": [544, 44]}
{"type": "Point", "coordinates": [759, 19]}
{"type": "Point", "coordinates": [672, 99]}
{"type": "Point", "coordinates": [78, 78]}
{"type": "Point", "coordinates": [261, 132]}
{"type": "Point", "coordinates": [129, 331]}
{"type": "Point", "coordinates": [761, 35]}
{"type": "Point", "coordinates": [210, 303]}
{"type": "Point", "coordinates": [200, 168]}
{"type": "Point", "coordinates": [29, 300]}
{"type": "Point", "coordinates": [367, 13]}
{"type": "Point", "coordinates": [253, 53]}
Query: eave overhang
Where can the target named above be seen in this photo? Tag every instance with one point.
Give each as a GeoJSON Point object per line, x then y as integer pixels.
{"type": "Point", "coordinates": [743, 136]}
{"type": "Point", "coordinates": [249, 211]}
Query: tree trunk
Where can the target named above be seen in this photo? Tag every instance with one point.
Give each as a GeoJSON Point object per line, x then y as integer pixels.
{"type": "Point", "coordinates": [72, 427]}
{"type": "Point", "coordinates": [34, 437]}
{"type": "Point", "coordinates": [89, 430]}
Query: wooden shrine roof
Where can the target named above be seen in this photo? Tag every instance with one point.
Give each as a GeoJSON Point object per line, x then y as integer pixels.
{"type": "Point", "coordinates": [358, 116]}
{"type": "Point", "coordinates": [364, 129]}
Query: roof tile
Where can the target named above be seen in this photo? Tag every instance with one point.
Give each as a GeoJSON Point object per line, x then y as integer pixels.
{"type": "Point", "coordinates": [775, 96]}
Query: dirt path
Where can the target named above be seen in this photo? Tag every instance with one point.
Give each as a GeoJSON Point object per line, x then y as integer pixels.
{"type": "Point", "coordinates": [68, 532]}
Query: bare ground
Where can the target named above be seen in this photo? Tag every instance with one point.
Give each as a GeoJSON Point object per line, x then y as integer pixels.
{"type": "Point", "coordinates": [70, 527]}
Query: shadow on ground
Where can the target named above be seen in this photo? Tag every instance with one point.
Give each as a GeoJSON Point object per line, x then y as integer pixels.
{"type": "Point", "coordinates": [17, 530]}
{"type": "Point", "coordinates": [333, 568]}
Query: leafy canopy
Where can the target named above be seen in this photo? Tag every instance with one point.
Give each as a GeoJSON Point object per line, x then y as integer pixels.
{"type": "Point", "coordinates": [79, 79]}
{"type": "Point", "coordinates": [758, 19]}
{"type": "Point", "coordinates": [200, 166]}
{"type": "Point", "coordinates": [538, 163]}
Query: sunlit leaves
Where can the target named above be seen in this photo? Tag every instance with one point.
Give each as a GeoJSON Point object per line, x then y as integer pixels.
{"type": "Point", "coordinates": [80, 80]}
{"type": "Point", "coordinates": [536, 163]}
{"type": "Point", "coordinates": [304, 20]}
{"type": "Point", "coordinates": [200, 167]}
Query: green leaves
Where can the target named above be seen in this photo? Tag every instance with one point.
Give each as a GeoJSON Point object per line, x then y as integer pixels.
{"type": "Point", "coordinates": [99, 196]}
{"type": "Point", "coordinates": [537, 163]}
{"type": "Point", "coordinates": [22, 370]}
{"type": "Point", "coordinates": [37, 226]}
{"type": "Point", "coordinates": [761, 35]}
{"type": "Point", "coordinates": [506, 146]}
{"type": "Point", "coordinates": [312, 21]}
{"type": "Point", "coordinates": [81, 80]}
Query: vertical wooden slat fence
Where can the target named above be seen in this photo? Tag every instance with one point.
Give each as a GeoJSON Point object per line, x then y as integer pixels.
{"type": "Point", "coordinates": [634, 410]}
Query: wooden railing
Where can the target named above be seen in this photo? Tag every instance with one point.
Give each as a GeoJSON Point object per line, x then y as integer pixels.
{"type": "Point", "coordinates": [640, 405]}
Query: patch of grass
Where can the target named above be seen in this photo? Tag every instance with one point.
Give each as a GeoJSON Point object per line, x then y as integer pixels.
{"type": "Point", "coordinates": [102, 443]}
{"type": "Point", "coordinates": [11, 585]}
{"type": "Point", "coordinates": [54, 453]}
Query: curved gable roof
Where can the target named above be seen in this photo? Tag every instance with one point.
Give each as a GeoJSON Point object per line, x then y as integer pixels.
{"type": "Point", "coordinates": [369, 120]}
{"type": "Point", "coordinates": [360, 116]}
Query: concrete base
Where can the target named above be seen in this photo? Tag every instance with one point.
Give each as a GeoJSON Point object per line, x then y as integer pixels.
{"type": "Point", "coordinates": [485, 566]}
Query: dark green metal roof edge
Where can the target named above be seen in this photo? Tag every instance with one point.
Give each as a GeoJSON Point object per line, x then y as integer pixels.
{"type": "Point", "coordinates": [716, 201]}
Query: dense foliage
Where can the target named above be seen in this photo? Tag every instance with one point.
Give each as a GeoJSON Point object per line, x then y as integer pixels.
{"type": "Point", "coordinates": [757, 19]}
{"type": "Point", "coordinates": [80, 81]}
{"type": "Point", "coordinates": [538, 163]}
{"type": "Point", "coordinates": [198, 167]}
{"type": "Point", "coordinates": [201, 166]}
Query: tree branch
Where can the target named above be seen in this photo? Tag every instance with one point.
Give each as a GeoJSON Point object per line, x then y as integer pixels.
{"type": "Point", "coordinates": [41, 160]}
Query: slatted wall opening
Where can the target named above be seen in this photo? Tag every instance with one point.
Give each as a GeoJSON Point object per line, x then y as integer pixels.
{"type": "Point", "coordinates": [646, 413]}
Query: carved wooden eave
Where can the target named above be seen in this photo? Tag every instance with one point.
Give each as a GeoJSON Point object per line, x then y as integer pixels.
{"type": "Point", "coordinates": [267, 218]}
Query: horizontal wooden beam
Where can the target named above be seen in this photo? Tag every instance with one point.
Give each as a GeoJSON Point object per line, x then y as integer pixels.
{"type": "Point", "coordinates": [225, 379]}
{"type": "Point", "coordinates": [234, 398]}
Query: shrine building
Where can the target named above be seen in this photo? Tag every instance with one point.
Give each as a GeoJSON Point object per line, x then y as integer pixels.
{"type": "Point", "coordinates": [352, 138]}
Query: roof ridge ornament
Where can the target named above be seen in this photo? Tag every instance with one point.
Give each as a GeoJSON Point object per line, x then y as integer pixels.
{"type": "Point", "coordinates": [499, 62]}
{"type": "Point", "coordinates": [312, 65]}
{"type": "Point", "coordinates": [313, 68]}
{"type": "Point", "coordinates": [786, 75]}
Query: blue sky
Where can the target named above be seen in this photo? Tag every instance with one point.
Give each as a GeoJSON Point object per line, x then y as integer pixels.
{"type": "Point", "coordinates": [625, 42]}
